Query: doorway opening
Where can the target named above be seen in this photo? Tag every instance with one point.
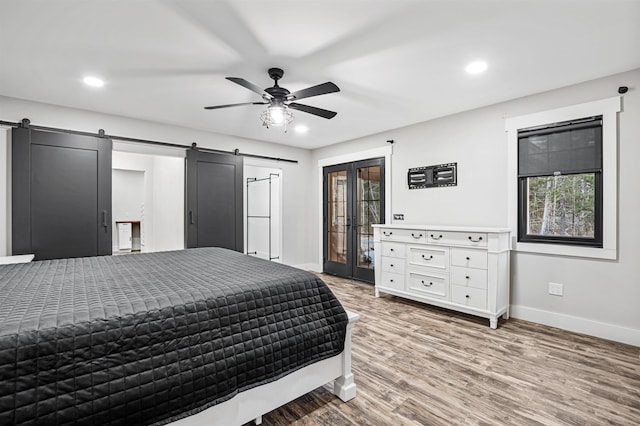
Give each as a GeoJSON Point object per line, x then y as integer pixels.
{"type": "Point", "coordinates": [147, 201]}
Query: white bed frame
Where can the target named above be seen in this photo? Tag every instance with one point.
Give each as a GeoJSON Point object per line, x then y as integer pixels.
{"type": "Point", "coordinates": [21, 258]}
{"type": "Point", "coordinates": [253, 403]}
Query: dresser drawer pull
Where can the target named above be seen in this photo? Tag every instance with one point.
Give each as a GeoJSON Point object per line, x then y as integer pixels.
{"type": "Point", "coordinates": [386, 234]}
{"type": "Point", "coordinates": [475, 241]}
{"type": "Point", "coordinates": [390, 249]}
{"type": "Point", "coordinates": [391, 265]}
{"type": "Point", "coordinates": [430, 257]}
{"type": "Point", "coordinates": [390, 281]}
{"type": "Point", "coordinates": [436, 238]}
{"type": "Point", "coordinates": [468, 258]}
{"type": "Point", "coordinates": [467, 296]}
{"type": "Point", "coordinates": [427, 285]}
{"type": "Point", "coordinates": [414, 236]}
{"type": "Point", "coordinates": [467, 277]}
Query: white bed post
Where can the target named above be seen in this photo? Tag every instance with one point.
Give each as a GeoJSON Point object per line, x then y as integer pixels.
{"type": "Point", "coordinates": [344, 387]}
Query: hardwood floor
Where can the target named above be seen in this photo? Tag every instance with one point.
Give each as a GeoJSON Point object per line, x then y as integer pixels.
{"type": "Point", "coordinates": [420, 365]}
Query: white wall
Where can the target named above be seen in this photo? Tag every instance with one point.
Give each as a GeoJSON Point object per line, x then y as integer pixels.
{"type": "Point", "coordinates": [168, 203]}
{"type": "Point", "coordinates": [294, 188]}
{"type": "Point", "coordinates": [600, 297]}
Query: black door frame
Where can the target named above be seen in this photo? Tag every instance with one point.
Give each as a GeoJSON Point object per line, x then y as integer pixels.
{"type": "Point", "coordinates": [350, 269]}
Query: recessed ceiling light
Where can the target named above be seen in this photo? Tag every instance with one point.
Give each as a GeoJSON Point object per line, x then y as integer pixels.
{"type": "Point", "coordinates": [301, 128]}
{"type": "Point", "coordinates": [476, 67]}
{"type": "Point", "coordinates": [93, 82]}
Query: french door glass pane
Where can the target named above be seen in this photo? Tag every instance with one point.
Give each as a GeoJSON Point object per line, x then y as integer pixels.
{"type": "Point", "coordinates": [368, 196]}
{"type": "Point", "coordinates": [337, 224]}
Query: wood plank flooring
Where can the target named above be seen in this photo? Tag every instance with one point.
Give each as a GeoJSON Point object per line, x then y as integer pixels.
{"type": "Point", "coordinates": [419, 365]}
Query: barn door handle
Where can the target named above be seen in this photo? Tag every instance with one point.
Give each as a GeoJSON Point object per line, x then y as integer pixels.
{"type": "Point", "coordinates": [191, 222]}
{"type": "Point", "coordinates": [104, 219]}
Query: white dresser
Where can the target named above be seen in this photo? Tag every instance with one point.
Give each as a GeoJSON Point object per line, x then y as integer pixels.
{"type": "Point", "coordinates": [464, 269]}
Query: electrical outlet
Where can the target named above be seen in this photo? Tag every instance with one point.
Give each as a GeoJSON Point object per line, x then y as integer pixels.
{"type": "Point", "coordinates": [556, 289]}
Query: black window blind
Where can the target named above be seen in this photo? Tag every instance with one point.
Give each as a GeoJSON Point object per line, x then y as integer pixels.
{"type": "Point", "coordinates": [561, 148]}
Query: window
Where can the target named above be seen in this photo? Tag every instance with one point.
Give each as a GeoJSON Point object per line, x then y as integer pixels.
{"type": "Point", "coordinates": [578, 177]}
{"type": "Point", "coordinates": [560, 183]}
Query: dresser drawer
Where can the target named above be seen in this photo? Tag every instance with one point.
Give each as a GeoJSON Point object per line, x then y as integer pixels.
{"type": "Point", "coordinates": [428, 285]}
{"type": "Point", "coordinates": [469, 277]}
{"type": "Point", "coordinates": [393, 265]}
{"type": "Point", "coordinates": [389, 280]}
{"type": "Point", "coordinates": [433, 257]}
{"type": "Point", "coordinates": [472, 239]}
{"type": "Point", "coordinates": [393, 249]}
{"type": "Point", "coordinates": [403, 235]}
{"type": "Point", "coordinates": [469, 258]}
{"type": "Point", "coordinates": [469, 296]}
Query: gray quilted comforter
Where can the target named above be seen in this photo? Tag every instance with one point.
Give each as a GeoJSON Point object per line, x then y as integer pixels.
{"type": "Point", "coordinates": [150, 338]}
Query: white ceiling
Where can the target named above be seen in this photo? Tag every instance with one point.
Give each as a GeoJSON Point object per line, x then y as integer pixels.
{"type": "Point", "coordinates": [397, 62]}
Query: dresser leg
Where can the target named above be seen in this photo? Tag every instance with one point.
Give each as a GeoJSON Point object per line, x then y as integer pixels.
{"type": "Point", "coordinates": [377, 293]}
{"type": "Point", "coordinates": [493, 322]}
{"type": "Point", "coordinates": [506, 315]}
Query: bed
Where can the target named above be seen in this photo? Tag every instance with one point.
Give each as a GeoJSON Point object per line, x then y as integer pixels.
{"type": "Point", "coordinates": [197, 336]}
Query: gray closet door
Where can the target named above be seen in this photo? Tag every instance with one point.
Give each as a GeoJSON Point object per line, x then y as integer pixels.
{"type": "Point", "coordinates": [61, 194]}
{"type": "Point", "coordinates": [214, 200]}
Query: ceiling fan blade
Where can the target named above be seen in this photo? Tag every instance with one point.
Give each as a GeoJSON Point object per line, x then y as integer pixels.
{"type": "Point", "coordinates": [247, 84]}
{"type": "Point", "coordinates": [313, 110]}
{"type": "Point", "coordinates": [320, 89]}
{"type": "Point", "coordinates": [234, 105]}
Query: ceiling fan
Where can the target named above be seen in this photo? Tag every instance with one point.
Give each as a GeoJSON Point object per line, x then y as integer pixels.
{"type": "Point", "coordinates": [280, 100]}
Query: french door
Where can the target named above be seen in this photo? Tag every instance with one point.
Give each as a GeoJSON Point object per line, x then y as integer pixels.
{"type": "Point", "coordinates": [353, 200]}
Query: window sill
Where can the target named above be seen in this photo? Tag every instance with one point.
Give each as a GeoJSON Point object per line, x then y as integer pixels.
{"type": "Point", "coordinates": [569, 251]}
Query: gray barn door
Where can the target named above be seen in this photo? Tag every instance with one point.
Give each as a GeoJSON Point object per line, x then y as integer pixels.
{"type": "Point", "coordinates": [214, 200]}
{"type": "Point", "coordinates": [61, 194]}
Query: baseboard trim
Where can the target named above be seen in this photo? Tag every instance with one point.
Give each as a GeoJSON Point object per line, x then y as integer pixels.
{"type": "Point", "coordinates": [607, 331]}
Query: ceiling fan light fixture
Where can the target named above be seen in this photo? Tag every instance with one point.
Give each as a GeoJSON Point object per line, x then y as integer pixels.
{"type": "Point", "coordinates": [280, 101]}
{"type": "Point", "coordinates": [276, 115]}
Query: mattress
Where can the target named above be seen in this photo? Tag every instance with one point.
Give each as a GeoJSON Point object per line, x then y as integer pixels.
{"type": "Point", "coordinates": [154, 337]}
